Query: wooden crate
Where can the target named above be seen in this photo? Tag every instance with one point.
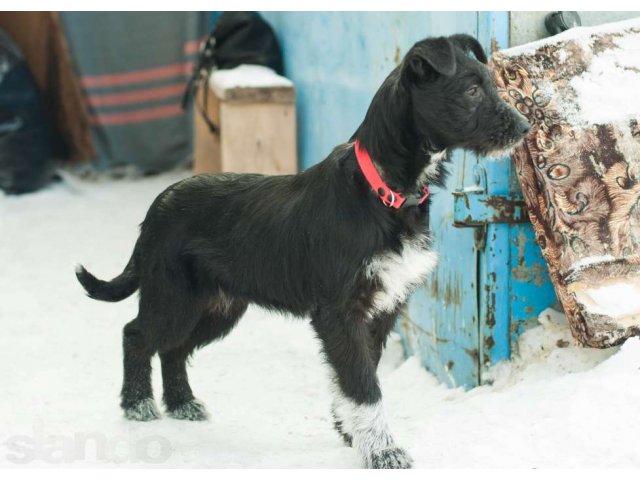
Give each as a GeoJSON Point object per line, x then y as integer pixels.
{"type": "Point", "coordinates": [256, 130]}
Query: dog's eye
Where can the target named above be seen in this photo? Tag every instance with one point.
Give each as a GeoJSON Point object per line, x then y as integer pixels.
{"type": "Point", "coordinates": [473, 91]}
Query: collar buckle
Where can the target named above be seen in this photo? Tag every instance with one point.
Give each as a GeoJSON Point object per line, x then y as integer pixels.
{"type": "Point", "coordinates": [417, 199]}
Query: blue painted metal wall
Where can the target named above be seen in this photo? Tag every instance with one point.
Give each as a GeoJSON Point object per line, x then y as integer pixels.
{"type": "Point", "coordinates": [339, 59]}
{"type": "Point", "coordinates": [489, 281]}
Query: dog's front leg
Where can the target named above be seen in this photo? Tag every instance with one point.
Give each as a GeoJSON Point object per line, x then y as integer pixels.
{"type": "Point", "coordinates": [347, 342]}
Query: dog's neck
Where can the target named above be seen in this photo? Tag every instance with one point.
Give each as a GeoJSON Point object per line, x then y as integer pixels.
{"type": "Point", "coordinates": [405, 159]}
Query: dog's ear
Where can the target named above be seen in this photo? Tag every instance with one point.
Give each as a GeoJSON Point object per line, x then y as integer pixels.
{"type": "Point", "coordinates": [434, 55]}
{"type": "Point", "coordinates": [469, 44]}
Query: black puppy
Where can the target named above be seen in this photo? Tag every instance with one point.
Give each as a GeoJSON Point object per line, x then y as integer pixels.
{"type": "Point", "coordinates": [344, 242]}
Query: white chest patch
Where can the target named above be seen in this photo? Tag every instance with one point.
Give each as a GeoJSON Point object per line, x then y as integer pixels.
{"type": "Point", "coordinates": [432, 171]}
{"type": "Point", "coordinates": [399, 273]}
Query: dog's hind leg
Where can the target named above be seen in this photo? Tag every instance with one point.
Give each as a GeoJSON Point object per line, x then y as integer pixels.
{"type": "Point", "coordinates": [178, 397]}
{"type": "Point", "coordinates": [137, 394]}
{"type": "Point", "coordinates": [218, 320]}
{"type": "Point", "coordinates": [348, 345]}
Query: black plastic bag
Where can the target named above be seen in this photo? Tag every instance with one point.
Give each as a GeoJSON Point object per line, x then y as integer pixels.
{"type": "Point", "coordinates": [245, 38]}
{"type": "Point", "coordinates": [26, 162]}
{"type": "Point", "coordinates": [239, 38]}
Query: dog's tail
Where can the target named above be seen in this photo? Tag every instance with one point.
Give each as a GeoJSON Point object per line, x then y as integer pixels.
{"type": "Point", "coordinates": [117, 289]}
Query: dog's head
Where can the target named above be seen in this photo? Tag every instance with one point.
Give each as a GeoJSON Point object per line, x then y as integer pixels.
{"type": "Point", "coordinates": [454, 99]}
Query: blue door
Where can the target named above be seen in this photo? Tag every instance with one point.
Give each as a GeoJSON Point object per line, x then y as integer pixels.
{"type": "Point", "coordinates": [491, 279]}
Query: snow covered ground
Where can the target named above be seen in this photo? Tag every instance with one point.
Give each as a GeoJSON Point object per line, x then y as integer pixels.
{"type": "Point", "coordinates": [265, 385]}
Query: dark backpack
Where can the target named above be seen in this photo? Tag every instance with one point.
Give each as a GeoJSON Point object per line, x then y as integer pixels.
{"type": "Point", "coordinates": [238, 38]}
{"type": "Point", "coordinates": [26, 161]}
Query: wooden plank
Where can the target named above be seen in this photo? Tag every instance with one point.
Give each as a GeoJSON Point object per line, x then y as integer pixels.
{"type": "Point", "coordinates": [206, 148]}
{"type": "Point", "coordinates": [259, 95]}
{"type": "Point", "coordinates": [252, 137]}
{"type": "Point", "coordinates": [258, 138]}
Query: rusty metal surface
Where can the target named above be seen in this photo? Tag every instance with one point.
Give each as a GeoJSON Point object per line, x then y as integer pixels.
{"type": "Point", "coordinates": [478, 209]}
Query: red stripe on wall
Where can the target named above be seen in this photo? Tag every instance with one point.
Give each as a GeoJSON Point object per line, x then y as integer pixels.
{"type": "Point", "coordinates": [111, 99]}
{"type": "Point", "coordinates": [191, 47]}
{"type": "Point", "coordinates": [137, 76]}
{"type": "Point", "coordinates": [137, 116]}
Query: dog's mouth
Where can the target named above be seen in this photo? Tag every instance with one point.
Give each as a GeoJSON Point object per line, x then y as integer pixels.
{"type": "Point", "coordinates": [505, 144]}
{"type": "Point", "coordinates": [515, 127]}
{"type": "Point", "coordinates": [503, 149]}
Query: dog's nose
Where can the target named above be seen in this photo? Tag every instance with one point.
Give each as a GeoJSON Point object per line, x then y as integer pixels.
{"type": "Point", "coordinates": [524, 128]}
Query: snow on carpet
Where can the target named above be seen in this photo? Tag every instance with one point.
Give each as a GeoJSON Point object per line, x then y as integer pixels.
{"type": "Point", "coordinates": [265, 385]}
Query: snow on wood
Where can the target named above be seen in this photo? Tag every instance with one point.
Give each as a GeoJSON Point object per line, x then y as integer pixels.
{"type": "Point", "coordinates": [246, 77]}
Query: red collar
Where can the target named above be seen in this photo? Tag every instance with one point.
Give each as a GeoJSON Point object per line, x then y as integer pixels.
{"type": "Point", "coordinates": [389, 197]}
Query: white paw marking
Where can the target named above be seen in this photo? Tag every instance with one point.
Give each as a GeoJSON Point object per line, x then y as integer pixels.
{"type": "Point", "coordinates": [144, 411]}
{"type": "Point", "coordinates": [393, 457]}
{"type": "Point", "coordinates": [193, 410]}
{"type": "Point", "coordinates": [367, 426]}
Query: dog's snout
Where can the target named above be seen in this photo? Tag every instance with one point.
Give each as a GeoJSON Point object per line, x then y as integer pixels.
{"type": "Point", "coordinates": [523, 128]}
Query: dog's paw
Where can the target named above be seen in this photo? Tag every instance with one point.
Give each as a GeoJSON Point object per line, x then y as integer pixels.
{"type": "Point", "coordinates": [193, 410]}
{"type": "Point", "coordinates": [393, 457]}
{"type": "Point", "coordinates": [143, 411]}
